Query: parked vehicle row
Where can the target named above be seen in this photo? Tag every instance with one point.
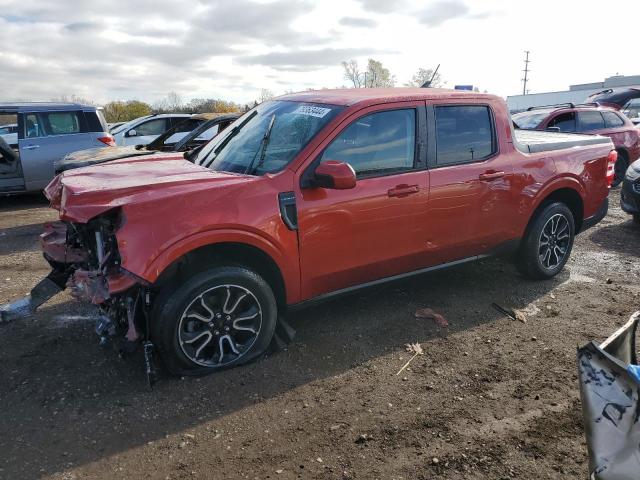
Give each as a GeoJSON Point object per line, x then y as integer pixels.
{"type": "Point", "coordinates": [188, 135]}
{"type": "Point", "coordinates": [46, 132]}
{"type": "Point", "coordinates": [310, 196]}
{"type": "Point", "coordinates": [51, 137]}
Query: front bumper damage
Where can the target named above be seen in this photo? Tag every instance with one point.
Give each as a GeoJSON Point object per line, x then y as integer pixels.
{"type": "Point", "coordinates": [72, 267]}
{"type": "Point", "coordinates": [610, 392]}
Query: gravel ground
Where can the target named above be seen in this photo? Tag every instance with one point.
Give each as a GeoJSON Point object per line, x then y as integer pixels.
{"type": "Point", "coordinates": [491, 398]}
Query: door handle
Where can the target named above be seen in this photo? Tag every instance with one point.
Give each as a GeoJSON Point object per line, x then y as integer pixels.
{"type": "Point", "coordinates": [488, 176]}
{"type": "Point", "coordinates": [403, 190]}
{"type": "Point", "coordinates": [31, 147]}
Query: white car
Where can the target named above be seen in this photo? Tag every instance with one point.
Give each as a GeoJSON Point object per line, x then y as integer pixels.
{"type": "Point", "coordinates": [9, 133]}
{"type": "Point", "coordinates": [144, 130]}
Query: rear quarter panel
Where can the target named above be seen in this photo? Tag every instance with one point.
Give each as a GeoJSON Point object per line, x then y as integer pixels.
{"type": "Point", "coordinates": [582, 169]}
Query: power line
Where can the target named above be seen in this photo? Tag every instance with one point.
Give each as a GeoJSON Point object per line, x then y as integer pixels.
{"type": "Point", "coordinates": [526, 73]}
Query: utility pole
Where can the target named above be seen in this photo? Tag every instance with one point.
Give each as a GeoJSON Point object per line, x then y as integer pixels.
{"type": "Point", "coordinates": [526, 73]}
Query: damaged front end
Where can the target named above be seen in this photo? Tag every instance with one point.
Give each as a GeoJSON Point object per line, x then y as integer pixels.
{"type": "Point", "coordinates": [84, 258]}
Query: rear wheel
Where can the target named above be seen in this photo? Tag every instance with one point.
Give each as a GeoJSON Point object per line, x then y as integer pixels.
{"type": "Point", "coordinates": [220, 318]}
{"type": "Point", "coordinates": [620, 168]}
{"type": "Point", "coordinates": [547, 244]}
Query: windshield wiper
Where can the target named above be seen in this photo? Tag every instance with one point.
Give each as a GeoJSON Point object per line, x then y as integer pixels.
{"type": "Point", "coordinates": [263, 148]}
{"type": "Point", "coordinates": [234, 131]}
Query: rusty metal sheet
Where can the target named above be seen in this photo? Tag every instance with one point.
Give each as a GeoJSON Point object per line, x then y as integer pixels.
{"type": "Point", "coordinates": [610, 390]}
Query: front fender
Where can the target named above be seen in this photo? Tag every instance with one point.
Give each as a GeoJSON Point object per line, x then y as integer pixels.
{"type": "Point", "coordinates": [152, 267]}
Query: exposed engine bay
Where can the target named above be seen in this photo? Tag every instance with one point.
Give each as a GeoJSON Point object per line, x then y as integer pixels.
{"type": "Point", "coordinates": [84, 258]}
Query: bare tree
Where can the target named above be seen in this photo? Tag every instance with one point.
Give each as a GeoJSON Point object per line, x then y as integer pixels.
{"type": "Point", "coordinates": [423, 75]}
{"type": "Point", "coordinates": [265, 95]}
{"type": "Point", "coordinates": [376, 75]}
{"type": "Point", "coordinates": [352, 73]}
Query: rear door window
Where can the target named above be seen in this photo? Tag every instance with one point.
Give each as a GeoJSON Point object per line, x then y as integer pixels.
{"type": "Point", "coordinates": [612, 120]}
{"type": "Point", "coordinates": [566, 122]}
{"type": "Point", "coordinates": [379, 144]}
{"type": "Point", "coordinates": [588, 121]}
{"type": "Point", "coordinates": [464, 133]}
{"type": "Point", "coordinates": [62, 123]}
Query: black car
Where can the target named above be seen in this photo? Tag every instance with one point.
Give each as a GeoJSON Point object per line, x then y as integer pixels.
{"type": "Point", "coordinates": [630, 195]}
{"type": "Point", "coordinates": [189, 135]}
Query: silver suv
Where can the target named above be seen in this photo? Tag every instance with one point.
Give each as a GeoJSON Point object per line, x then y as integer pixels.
{"type": "Point", "coordinates": [46, 132]}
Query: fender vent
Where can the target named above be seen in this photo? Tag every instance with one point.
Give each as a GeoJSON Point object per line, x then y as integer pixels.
{"type": "Point", "coordinates": [288, 210]}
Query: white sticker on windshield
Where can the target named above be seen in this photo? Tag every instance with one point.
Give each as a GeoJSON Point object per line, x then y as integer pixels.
{"type": "Point", "coordinates": [312, 111]}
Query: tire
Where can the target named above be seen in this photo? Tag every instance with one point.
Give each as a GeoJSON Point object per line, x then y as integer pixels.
{"type": "Point", "coordinates": [218, 319]}
{"type": "Point", "coordinates": [532, 259]}
{"type": "Point", "coordinates": [620, 168]}
{"type": "Point", "coordinates": [636, 218]}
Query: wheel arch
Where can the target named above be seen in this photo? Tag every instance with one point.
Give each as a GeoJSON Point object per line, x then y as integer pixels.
{"type": "Point", "coordinates": [565, 194]}
{"type": "Point", "coordinates": [226, 253]}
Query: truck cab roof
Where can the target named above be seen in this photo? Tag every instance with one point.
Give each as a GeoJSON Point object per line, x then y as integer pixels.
{"type": "Point", "coordinates": [354, 96]}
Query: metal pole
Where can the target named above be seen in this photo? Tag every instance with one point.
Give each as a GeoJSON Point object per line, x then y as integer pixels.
{"type": "Point", "coordinates": [526, 73]}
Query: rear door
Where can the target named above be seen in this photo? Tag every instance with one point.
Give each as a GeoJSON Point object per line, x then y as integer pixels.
{"type": "Point", "coordinates": [350, 237]}
{"type": "Point", "coordinates": [471, 201]}
{"type": "Point", "coordinates": [46, 138]}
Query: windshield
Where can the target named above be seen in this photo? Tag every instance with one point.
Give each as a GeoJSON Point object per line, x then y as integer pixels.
{"type": "Point", "coordinates": [632, 109]}
{"type": "Point", "coordinates": [249, 144]}
{"type": "Point", "coordinates": [127, 124]}
{"type": "Point", "coordinates": [529, 121]}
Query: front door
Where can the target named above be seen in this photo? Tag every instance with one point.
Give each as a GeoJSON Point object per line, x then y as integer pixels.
{"type": "Point", "coordinates": [350, 237]}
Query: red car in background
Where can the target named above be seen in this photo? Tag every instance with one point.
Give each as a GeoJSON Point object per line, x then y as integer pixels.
{"type": "Point", "coordinates": [591, 118]}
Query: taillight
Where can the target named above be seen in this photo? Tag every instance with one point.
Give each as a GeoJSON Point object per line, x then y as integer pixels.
{"type": "Point", "coordinates": [612, 158]}
{"type": "Point", "coordinates": [108, 140]}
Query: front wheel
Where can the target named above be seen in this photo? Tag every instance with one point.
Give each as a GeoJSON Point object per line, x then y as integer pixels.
{"type": "Point", "coordinates": [220, 318]}
{"type": "Point", "coordinates": [548, 241]}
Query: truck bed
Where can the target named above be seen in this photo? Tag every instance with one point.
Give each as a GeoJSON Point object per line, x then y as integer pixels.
{"type": "Point", "coordinates": [534, 141]}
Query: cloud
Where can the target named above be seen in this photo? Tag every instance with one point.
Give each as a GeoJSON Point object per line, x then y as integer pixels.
{"type": "Point", "coordinates": [306, 60]}
{"type": "Point", "coordinates": [383, 6]}
{"type": "Point", "coordinates": [442, 11]}
{"type": "Point", "coordinates": [358, 22]}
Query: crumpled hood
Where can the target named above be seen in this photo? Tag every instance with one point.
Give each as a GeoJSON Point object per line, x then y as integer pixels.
{"type": "Point", "coordinates": [95, 156]}
{"type": "Point", "coordinates": [83, 193]}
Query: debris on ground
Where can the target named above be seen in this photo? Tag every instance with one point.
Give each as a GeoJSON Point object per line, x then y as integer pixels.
{"type": "Point", "coordinates": [513, 314]}
{"type": "Point", "coordinates": [429, 314]}
{"type": "Point", "coordinates": [610, 392]}
{"type": "Point", "coordinates": [414, 348]}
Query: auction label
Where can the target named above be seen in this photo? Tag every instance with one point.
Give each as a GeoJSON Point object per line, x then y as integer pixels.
{"type": "Point", "coordinates": [312, 111]}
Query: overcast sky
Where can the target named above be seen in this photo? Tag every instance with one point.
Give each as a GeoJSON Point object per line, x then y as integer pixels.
{"type": "Point", "coordinates": [143, 49]}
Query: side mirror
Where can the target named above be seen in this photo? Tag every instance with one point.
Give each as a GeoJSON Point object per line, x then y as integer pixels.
{"type": "Point", "coordinates": [132, 133]}
{"type": "Point", "coordinates": [553, 129]}
{"type": "Point", "coordinates": [335, 175]}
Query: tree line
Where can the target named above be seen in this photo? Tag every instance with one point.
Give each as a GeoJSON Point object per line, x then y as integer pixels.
{"type": "Point", "coordinates": [373, 75]}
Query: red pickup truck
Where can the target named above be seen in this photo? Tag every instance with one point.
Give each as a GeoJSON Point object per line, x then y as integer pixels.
{"type": "Point", "coordinates": [308, 196]}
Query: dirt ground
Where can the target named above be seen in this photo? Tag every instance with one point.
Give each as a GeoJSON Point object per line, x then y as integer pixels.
{"type": "Point", "coordinates": [491, 398]}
